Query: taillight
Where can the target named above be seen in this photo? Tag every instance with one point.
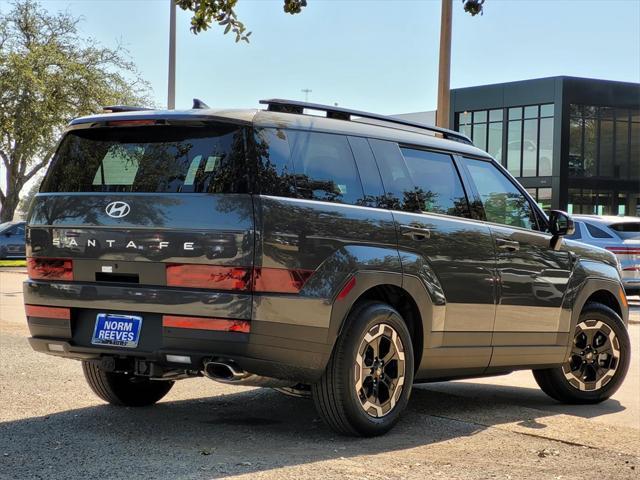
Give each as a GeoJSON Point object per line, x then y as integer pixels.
{"type": "Point", "coordinates": [240, 279]}
{"type": "Point", "coordinates": [624, 250]}
{"type": "Point", "coordinates": [209, 276]}
{"type": "Point", "coordinates": [50, 268]}
{"type": "Point", "coordinates": [279, 280]}
{"type": "Point", "coordinates": [204, 323]}
{"type": "Point", "coordinates": [42, 311]}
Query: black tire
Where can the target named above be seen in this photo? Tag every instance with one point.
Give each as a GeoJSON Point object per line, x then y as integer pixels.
{"type": "Point", "coordinates": [335, 395]}
{"type": "Point", "coordinates": [567, 389]}
{"type": "Point", "coordinates": [124, 389]}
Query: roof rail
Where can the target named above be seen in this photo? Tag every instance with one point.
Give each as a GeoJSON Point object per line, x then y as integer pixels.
{"type": "Point", "coordinates": [294, 106]}
{"type": "Point", "coordinates": [123, 108]}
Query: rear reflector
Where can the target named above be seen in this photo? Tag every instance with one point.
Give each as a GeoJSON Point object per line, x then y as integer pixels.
{"type": "Point", "coordinates": [632, 269]}
{"type": "Point", "coordinates": [347, 288]}
{"type": "Point", "coordinates": [50, 268]}
{"type": "Point", "coordinates": [203, 323]}
{"type": "Point", "coordinates": [48, 312]}
{"type": "Point", "coordinates": [240, 279]}
{"type": "Point", "coordinates": [209, 276]}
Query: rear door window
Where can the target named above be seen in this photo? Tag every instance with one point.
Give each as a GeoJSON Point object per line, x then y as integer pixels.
{"type": "Point", "coordinates": [503, 203]}
{"type": "Point", "coordinates": [168, 159]}
{"type": "Point", "coordinates": [438, 188]}
{"type": "Point", "coordinates": [324, 167]}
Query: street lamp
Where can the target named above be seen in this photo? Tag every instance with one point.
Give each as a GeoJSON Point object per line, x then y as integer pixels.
{"type": "Point", "coordinates": [171, 95]}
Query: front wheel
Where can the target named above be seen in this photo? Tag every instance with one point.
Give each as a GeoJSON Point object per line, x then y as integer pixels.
{"type": "Point", "coordinates": [124, 389]}
{"type": "Point", "coordinates": [598, 362]}
{"type": "Point", "coordinates": [368, 380]}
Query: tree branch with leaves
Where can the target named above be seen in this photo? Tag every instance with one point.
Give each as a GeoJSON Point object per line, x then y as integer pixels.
{"type": "Point", "coordinates": [49, 74]}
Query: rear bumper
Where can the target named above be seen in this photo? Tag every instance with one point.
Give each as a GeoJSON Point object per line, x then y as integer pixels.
{"type": "Point", "coordinates": [271, 349]}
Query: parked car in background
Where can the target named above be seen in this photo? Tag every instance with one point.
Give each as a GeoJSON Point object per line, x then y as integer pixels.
{"type": "Point", "coordinates": [620, 235]}
{"type": "Point", "coordinates": [12, 240]}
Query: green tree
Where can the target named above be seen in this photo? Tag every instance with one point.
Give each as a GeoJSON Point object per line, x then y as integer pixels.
{"type": "Point", "coordinates": [25, 201]}
{"type": "Point", "coordinates": [49, 74]}
{"type": "Point", "coordinates": [222, 12]}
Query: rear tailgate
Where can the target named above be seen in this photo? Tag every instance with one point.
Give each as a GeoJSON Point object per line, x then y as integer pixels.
{"type": "Point", "coordinates": [145, 221]}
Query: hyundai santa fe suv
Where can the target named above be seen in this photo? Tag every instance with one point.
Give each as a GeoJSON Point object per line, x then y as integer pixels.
{"type": "Point", "coordinates": [342, 255]}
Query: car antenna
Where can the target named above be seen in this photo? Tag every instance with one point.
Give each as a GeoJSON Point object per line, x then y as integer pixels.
{"type": "Point", "coordinates": [199, 104]}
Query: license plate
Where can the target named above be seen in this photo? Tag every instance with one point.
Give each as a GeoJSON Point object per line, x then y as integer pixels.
{"type": "Point", "coordinates": [117, 330]}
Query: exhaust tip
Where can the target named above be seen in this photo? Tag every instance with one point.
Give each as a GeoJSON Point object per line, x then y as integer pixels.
{"type": "Point", "coordinates": [224, 371]}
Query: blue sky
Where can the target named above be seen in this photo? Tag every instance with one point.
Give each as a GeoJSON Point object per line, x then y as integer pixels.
{"type": "Point", "coordinates": [372, 55]}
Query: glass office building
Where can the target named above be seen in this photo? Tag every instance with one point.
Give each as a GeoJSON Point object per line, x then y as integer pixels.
{"type": "Point", "coordinates": [574, 143]}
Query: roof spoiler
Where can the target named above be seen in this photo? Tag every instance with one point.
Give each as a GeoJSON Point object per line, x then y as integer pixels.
{"type": "Point", "coordinates": [293, 106]}
{"type": "Point", "coordinates": [123, 108]}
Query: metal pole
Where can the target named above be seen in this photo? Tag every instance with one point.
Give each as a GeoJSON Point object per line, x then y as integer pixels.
{"type": "Point", "coordinates": [444, 70]}
{"type": "Point", "coordinates": [306, 92]}
{"type": "Point", "coordinates": [171, 97]}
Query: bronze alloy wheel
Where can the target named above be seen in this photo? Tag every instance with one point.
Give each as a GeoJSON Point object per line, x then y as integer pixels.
{"type": "Point", "coordinates": [379, 370]}
{"type": "Point", "coordinates": [595, 356]}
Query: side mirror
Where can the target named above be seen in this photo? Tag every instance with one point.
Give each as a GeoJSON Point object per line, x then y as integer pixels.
{"type": "Point", "coordinates": [560, 224]}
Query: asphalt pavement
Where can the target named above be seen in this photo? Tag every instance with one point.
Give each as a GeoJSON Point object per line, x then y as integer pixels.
{"type": "Point", "coordinates": [52, 426]}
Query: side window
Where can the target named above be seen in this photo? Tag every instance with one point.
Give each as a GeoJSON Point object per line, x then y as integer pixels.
{"type": "Point", "coordinates": [576, 235]}
{"type": "Point", "coordinates": [503, 202]}
{"type": "Point", "coordinates": [596, 232]}
{"type": "Point", "coordinates": [20, 230]}
{"type": "Point", "coordinates": [399, 189]}
{"type": "Point", "coordinates": [324, 167]}
{"type": "Point", "coordinates": [438, 188]}
{"type": "Point", "coordinates": [274, 173]}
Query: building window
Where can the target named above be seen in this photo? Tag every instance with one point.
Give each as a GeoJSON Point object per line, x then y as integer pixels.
{"type": "Point", "coordinates": [484, 128]}
{"type": "Point", "coordinates": [604, 142]}
{"type": "Point", "coordinates": [542, 196]}
{"type": "Point", "coordinates": [530, 141]}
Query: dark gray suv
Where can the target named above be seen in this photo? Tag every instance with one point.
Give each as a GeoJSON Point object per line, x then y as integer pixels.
{"type": "Point", "coordinates": [344, 256]}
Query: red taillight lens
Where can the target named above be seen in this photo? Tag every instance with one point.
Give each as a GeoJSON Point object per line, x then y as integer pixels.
{"type": "Point", "coordinates": [50, 268]}
{"type": "Point", "coordinates": [241, 279]}
{"type": "Point", "coordinates": [48, 312]}
{"type": "Point", "coordinates": [624, 250]}
{"type": "Point", "coordinates": [209, 276]}
{"type": "Point", "coordinates": [203, 323]}
{"type": "Point", "coordinates": [279, 280]}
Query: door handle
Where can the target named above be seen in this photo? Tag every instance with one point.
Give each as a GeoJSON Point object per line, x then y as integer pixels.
{"type": "Point", "coordinates": [508, 245]}
{"type": "Point", "coordinates": [416, 232]}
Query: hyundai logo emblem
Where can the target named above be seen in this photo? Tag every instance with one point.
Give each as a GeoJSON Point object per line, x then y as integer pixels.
{"type": "Point", "coordinates": [118, 209]}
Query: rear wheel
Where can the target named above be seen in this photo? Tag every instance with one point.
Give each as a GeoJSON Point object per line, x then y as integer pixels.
{"type": "Point", "coordinates": [368, 380]}
{"type": "Point", "coordinates": [124, 389]}
{"type": "Point", "coordinates": [598, 362]}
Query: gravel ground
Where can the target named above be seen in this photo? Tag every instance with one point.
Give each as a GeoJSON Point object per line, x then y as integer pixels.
{"type": "Point", "coordinates": [51, 426]}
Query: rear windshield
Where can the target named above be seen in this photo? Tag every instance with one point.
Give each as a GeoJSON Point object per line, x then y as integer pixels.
{"type": "Point", "coordinates": [627, 230]}
{"type": "Point", "coordinates": [150, 159]}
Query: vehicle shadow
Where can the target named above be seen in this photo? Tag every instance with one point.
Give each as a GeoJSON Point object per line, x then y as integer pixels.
{"type": "Point", "coordinates": [241, 433]}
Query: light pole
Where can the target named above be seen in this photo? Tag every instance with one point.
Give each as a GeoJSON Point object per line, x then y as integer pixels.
{"type": "Point", "coordinates": [444, 69]}
{"type": "Point", "coordinates": [306, 92]}
{"type": "Point", "coordinates": [171, 95]}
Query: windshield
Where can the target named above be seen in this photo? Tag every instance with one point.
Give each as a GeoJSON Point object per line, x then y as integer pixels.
{"type": "Point", "coordinates": [150, 159]}
{"type": "Point", "coordinates": [627, 230]}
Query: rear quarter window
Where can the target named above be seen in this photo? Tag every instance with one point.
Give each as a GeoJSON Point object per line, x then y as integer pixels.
{"type": "Point", "coordinates": [168, 159]}
{"type": "Point", "coordinates": [596, 232]}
